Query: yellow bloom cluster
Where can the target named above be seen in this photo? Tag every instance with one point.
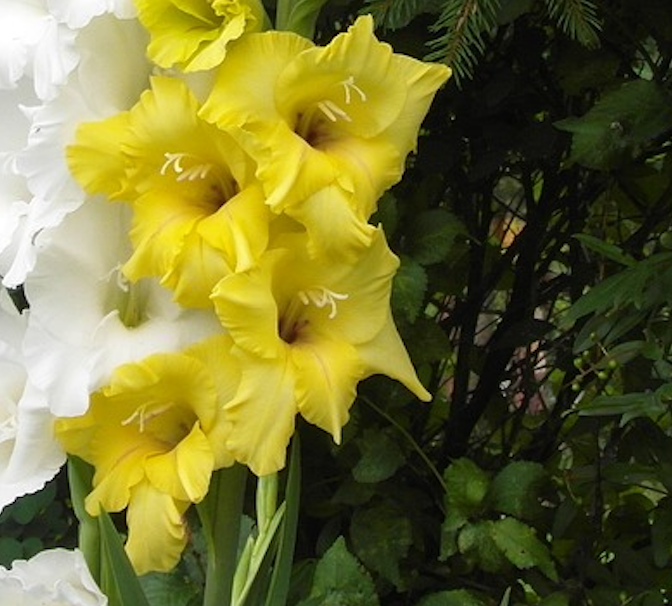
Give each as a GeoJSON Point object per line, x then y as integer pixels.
{"type": "Point", "coordinates": [250, 196]}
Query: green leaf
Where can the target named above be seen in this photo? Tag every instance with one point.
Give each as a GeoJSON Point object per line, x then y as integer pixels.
{"type": "Point", "coordinates": [118, 580]}
{"type": "Point", "coordinates": [298, 16]}
{"type": "Point", "coordinates": [433, 234]}
{"type": "Point", "coordinates": [577, 18]}
{"type": "Point", "coordinates": [555, 599]}
{"type": "Point", "coordinates": [466, 488]}
{"type": "Point", "coordinates": [630, 406]}
{"type": "Point", "coordinates": [80, 477]}
{"type": "Point", "coordinates": [476, 542]}
{"type": "Point", "coordinates": [521, 546]}
{"type": "Point", "coordinates": [607, 250]}
{"type": "Point", "coordinates": [395, 14]}
{"type": "Point", "coordinates": [408, 290]}
{"type": "Point", "coordinates": [381, 457]}
{"type": "Point", "coordinates": [381, 537]}
{"type": "Point", "coordinates": [456, 597]}
{"type": "Point", "coordinates": [619, 125]}
{"type": "Point", "coordinates": [168, 589]}
{"type": "Point", "coordinates": [340, 580]}
{"type": "Point", "coordinates": [27, 507]}
{"type": "Point", "coordinates": [514, 489]}
{"type": "Point", "coordinates": [661, 534]}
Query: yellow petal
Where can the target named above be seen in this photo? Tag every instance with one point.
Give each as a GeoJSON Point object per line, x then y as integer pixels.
{"type": "Point", "coordinates": [262, 413]}
{"type": "Point", "coordinates": [183, 472]}
{"type": "Point", "coordinates": [156, 530]}
{"type": "Point", "coordinates": [327, 373]}
{"type": "Point", "coordinates": [244, 93]}
{"type": "Point", "coordinates": [247, 307]}
{"type": "Point", "coordinates": [97, 145]}
{"type": "Point", "coordinates": [193, 34]}
{"type": "Point", "coordinates": [386, 354]}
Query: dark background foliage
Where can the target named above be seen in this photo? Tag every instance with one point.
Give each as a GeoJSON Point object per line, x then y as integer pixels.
{"type": "Point", "coordinates": [534, 227]}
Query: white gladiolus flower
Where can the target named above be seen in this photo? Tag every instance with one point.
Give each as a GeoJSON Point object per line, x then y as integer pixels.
{"type": "Point", "coordinates": [36, 188]}
{"type": "Point", "coordinates": [30, 456]}
{"type": "Point", "coordinates": [56, 577]}
{"type": "Point", "coordinates": [86, 319]}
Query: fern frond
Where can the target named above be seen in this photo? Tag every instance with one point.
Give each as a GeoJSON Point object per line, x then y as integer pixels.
{"type": "Point", "coordinates": [577, 18]}
{"type": "Point", "coordinates": [464, 24]}
{"type": "Point", "coordinates": [395, 14]}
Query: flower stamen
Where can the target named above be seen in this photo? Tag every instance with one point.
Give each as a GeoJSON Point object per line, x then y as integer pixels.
{"type": "Point", "coordinates": [348, 85]}
{"type": "Point", "coordinates": [198, 171]}
{"type": "Point", "coordinates": [321, 297]}
{"type": "Point", "coordinates": [333, 111]}
{"type": "Point", "coordinates": [142, 416]}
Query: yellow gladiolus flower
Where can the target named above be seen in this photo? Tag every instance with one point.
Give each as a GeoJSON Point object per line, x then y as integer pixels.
{"type": "Point", "coordinates": [155, 434]}
{"type": "Point", "coordinates": [194, 34]}
{"type": "Point", "coordinates": [330, 127]}
{"type": "Point", "coordinates": [306, 332]}
{"type": "Point", "coordinates": [199, 213]}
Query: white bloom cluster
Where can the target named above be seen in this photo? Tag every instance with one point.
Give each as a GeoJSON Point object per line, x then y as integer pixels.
{"type": "Point", "coordinates": [64, 62]}
{"type": "Point", "coordinates": [57, 577]}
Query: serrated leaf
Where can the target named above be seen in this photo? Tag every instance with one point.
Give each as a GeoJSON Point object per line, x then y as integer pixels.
{"type": "Point", "coordinates": [466, 486]}
{"type": "Point", "coordinates": [340, 580]}
{"type": "Point", "coordinates": [456, 597]}
{"type": "Point", "coordinates": [433, 234]}
{"type": "Point", "coordinates": [619, 125]}
{"type": "Point", "coordinates": [381, 457]}
{"type": "Point", "coordinates": [476, 542]}
{"type": "Point", "coordinates": [381, 537]}
{"type": "Point", "coordinates": [408, 290]}
{"type": "Point", "coordinates": [466, 489]}
{"type": "Point", "coordinates": [514, 489]}
{"type": "Point", "coordinates": [521, 547]}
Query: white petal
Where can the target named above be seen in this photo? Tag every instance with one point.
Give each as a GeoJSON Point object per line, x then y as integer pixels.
{"type": "Point", "coordinates": [53, 576]}
{"type": "Point", "coordinates": [30, 456]}
{"type": "Point", "coordinates": [22, 24]}
{"type": "Point", "coordinates": [78, 13]}
{"type": "Point", "coordinates": [75, 336]}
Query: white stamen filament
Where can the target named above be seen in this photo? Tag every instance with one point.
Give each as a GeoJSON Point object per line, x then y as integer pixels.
{"type": "Point", "coordinates": [332, 111]}
{"type": "Point", "coordinates": [321, 297]}
{"type": "Point", "coordinates": [198, 171]}
{"type": "Point", "coordinates": [349, 85]}
{"type": "Point", "coordinates": [143, 417]}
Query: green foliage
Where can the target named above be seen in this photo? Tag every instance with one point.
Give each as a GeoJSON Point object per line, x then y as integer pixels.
{"type": "Point", "coordinates": [340, 580]}
{"type": "Point", "coordinates": [466, 25]}
{"type": "Point", "coordinates": [534, 229]}
{"type": "Point", "coordinates": [577, 18]}
{"type": "Point", "coordinates": [620, 126]}
{"type": "Point", "coordinates": [35, 522]}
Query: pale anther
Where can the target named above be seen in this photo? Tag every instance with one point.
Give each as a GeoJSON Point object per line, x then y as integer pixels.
{"type": "Point", "coordinates": [321, 297]}
{"type": "Point", "coordinates": [198, 171]}
{"type": "Point", "coordinates": [348, 85]}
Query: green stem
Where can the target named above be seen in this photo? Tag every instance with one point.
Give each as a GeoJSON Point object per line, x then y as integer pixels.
{"type": "Point", "coordinates": [221, 513]}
